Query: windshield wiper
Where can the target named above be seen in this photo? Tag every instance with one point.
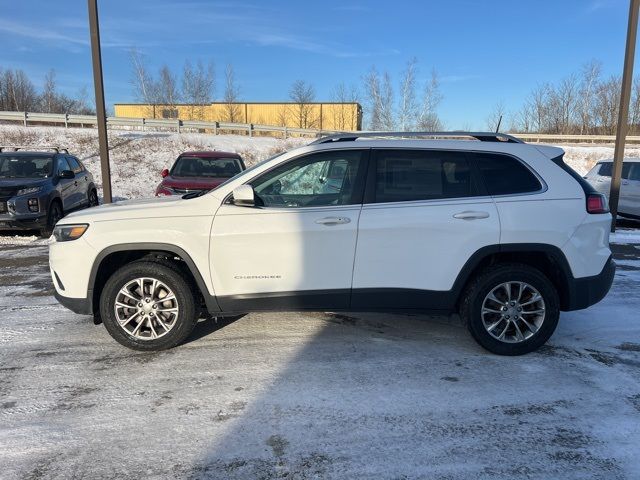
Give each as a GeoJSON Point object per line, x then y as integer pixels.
{"type": "Point", "coordinates": [189, 195]}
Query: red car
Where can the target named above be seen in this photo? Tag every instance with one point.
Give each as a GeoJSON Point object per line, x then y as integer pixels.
{"type": "Point", "coordinates": [197, 171]}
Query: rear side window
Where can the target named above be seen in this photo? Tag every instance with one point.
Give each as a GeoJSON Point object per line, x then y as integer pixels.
{"type": "Point", "coordinates": [605, 169]}
{"type": "Point", "coordinates": [634, 174]}
{"type": "Point", "coordinates": [504, 175]}
{"type": "Point", "coordinates": [405, 175]}
{"type": "Point", "coordinates": [628, 170]}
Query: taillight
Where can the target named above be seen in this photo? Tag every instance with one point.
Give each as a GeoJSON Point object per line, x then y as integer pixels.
{"type": "Point", "coordinates": [597, 203]}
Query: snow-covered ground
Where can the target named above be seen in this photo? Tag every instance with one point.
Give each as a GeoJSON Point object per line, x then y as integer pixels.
{"type": "Point", "coordinates": [312, 395]}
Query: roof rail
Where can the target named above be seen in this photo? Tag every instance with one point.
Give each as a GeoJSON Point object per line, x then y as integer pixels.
{"type": "Point", "coordinates": [482, 136]}
{"type": "Point", "coordinates": [17, 148]}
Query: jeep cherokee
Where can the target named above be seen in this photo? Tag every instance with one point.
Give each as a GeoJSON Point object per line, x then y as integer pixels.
{"type": "Point", "coordinates": [503, 232]}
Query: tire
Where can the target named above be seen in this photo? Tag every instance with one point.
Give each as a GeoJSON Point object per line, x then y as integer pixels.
{"type": "Point", "coordinates": [481, 312]}
{"type": "Point", "coordinates": [92, 198]}
{"type": "Point", "coordinates": [171, 322]}
{"type": "Point", "coordinates": [53, 216]}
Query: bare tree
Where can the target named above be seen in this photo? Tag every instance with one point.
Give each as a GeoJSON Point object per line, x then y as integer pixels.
{"type": "Point", "coordinates": [590, 77]}
{"type": "Point", "coordinates": [408, 108]}
{"type": "Point", "coordinates": [168, 93]}
{"type": "Point", "coordinates": [634, 109]}
{"type": "Point", "coordinates": [428, 119]}
{"type": "Point", "coordinates": [49, 96]}
{"type": "Point", "coordinates": [344, 116]}
{"type": "Point", "coordinates": [607, 102]}
{"type": "Point", "coordinates": [374, 99]}
{"type": "Point", "coordinates": [17, 93]}
{"type": "Point", "coordinates": [387, 113]}
{"type": "Point", "coordinates": [303, 94]}
{"type": "Point", "coordinates": [231, 95]}
{"type": "Point", "coordinates": [495, 118]}
{"type": "Point", "coordinates": [144, 86]}
{"type": "Point", "coordinates": [198, 87]}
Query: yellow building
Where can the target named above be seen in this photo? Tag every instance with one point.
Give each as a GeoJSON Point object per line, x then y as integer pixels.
{"type": "Point", "coordinates": [323, 116]}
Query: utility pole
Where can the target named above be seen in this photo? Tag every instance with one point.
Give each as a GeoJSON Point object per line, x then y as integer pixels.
{"type": "Point", "coordinates": [100, 108]}
{"type": "Point", "coordinates": [623, 113]}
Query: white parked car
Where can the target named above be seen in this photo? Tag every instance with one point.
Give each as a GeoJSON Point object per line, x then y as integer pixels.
{"type": "Point", "coordinates": [498, 230]}
{"type": "Point", "coordinates": [600, 177]}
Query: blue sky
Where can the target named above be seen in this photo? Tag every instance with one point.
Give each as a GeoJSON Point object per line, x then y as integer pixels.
{"type": "Point", "coordinates": [484, 51]}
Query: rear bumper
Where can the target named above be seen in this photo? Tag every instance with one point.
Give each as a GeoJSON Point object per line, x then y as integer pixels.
{"type": "Point", "coordinates": [81, 306]}
{"type": "Point", "coordinates": [587, 291]}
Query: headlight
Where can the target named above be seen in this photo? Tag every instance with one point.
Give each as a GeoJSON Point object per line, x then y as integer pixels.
{"type": "Point", "coordinates": [26, 191]}
{"type": "Point", "coordinates": [65, 233]}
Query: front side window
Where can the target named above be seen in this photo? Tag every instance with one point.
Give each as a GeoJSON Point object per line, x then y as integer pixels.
{"type": "Point", "coordinates": [63, 164]}
{"type": "Point", "coordinates": [504, 175]}
{"type": "Point", "coordinates": [22, 166]}
{"type": "Point", "coordinates": [316, 180]}
{"type": "Point", "coordinates": [406, 175]}
{"type": "Point", "coordinates": [634, 172]}
{"type": "Point", "coordinates": [74, 165]}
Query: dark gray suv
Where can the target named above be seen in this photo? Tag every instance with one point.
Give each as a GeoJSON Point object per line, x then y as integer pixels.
{"type": "Point", "coordinates": [37, 188]}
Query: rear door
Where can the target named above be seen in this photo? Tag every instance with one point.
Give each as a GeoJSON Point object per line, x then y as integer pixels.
{"type": "Point", "coordinates": [294, 250]}
{"type": "Point", "coordinates": [425, 214]}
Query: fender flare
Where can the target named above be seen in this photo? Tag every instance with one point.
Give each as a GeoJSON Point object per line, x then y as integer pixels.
{"type": "Point", "coordinates": [210, 300]}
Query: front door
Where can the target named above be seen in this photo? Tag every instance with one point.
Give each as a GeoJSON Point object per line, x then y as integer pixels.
{"type": "Point", "coordinates": [294, 249]}
{"type": "Point", "coordinates": [66, 186]}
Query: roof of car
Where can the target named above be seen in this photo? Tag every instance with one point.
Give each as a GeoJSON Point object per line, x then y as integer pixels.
{"type": "Point", "coordinates": [211, 154]}
{"type": "Point", "coordinates": [630, 160]}
{"type": "Point", "coordinates": [24, 153]}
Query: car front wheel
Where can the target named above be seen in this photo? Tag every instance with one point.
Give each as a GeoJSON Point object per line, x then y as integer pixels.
{"type": "Point", "coordinates": [148, 305]}
{"type": "Point", "coordinates": [511, 309]}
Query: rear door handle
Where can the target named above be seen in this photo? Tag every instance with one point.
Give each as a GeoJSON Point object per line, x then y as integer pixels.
{"type": "Point", "coordinates": [469, 215]}
{"type": "Point", "coordinates": [333, 221]}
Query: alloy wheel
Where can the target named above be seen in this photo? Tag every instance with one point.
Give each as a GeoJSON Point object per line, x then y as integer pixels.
{"type": "Point", "coordinates": [146, 308]}
{"type": "Point", "coordinates": [513, 312]}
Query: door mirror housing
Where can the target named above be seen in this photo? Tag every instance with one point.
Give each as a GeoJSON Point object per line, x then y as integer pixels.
{"type": "Point", "coordinates": [244, 196]}
{"type": "Point", "coordinates": [67, 174]}
{"type": "Point", "coordinates": [164, 173]}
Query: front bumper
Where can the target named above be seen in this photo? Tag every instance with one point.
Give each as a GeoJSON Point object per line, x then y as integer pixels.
{"type": "Point", "coordinates": [81, 306]}
{"type": "Point", "coordinates": [587, 291]}
{"type": "Point", "coordinates": [22, 222]}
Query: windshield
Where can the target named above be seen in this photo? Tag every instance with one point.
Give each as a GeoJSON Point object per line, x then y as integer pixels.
{"type": "Point", "coordinates": [250, 169]}
{"type": "Point", "coordinates": [189, 166]}
{"type": "Point", "coordinates": [22, 166]}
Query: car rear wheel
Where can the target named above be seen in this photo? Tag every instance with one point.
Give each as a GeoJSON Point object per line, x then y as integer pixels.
{"type": "Point", "coordinates": [511, 309]}
{"type": "Point", "coordinates": [148, 305]}
{"type": "Point", "coordinates": [53, 217]}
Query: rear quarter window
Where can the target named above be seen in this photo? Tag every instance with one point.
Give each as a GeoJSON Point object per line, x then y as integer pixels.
{"type": "Point", "coordinates": [505, 175]}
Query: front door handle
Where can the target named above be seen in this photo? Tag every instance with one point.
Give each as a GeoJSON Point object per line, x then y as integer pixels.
{"type": "Point", "coordinates": [469, 215]}
{"type": "Point", "coordinates": [333, 221]}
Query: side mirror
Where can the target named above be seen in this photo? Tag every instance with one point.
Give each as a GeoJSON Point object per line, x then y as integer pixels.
{"type": "Point", "coordinates": [164, 173]}
{"type": "Point", "coordinates": [67, 174]}
{"type": "Point", "coordinates": [243, 196]}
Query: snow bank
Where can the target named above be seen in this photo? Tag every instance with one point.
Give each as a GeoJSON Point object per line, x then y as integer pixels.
{"type": "Point", "coordinates": [137, 158]}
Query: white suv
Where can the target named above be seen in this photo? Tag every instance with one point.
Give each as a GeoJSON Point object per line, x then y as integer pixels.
{"type": "Point", "coordinates": [498, 230]}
